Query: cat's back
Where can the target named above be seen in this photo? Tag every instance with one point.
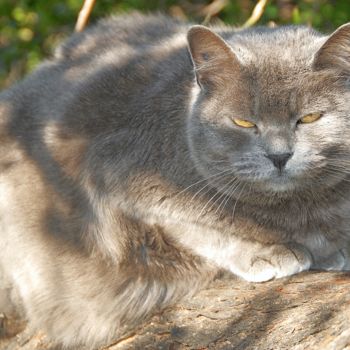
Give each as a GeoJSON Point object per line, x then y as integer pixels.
{"type": "Point", "coordinates": [107, 80]}
{"type": "Point", "coordinates": [111, 64]}
{"type": "Point", "coordinates": [134, 32]}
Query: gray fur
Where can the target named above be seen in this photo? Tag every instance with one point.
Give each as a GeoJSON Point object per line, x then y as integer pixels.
{"type": "Point", "coordinates": [125, 186]}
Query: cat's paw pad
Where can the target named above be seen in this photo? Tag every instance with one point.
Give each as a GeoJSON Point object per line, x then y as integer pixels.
{"type": "Point", "coordinates": [268, 262]}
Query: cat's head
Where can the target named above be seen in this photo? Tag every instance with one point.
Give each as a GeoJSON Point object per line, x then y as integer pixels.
{"type": "Point", "coordinates": [271, 108]}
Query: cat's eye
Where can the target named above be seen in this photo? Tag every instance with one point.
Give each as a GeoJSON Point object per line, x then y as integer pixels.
{"type": "Point", "coordinates": [310, 118]}
{"type": "Point", "coordinates": [243, 123]}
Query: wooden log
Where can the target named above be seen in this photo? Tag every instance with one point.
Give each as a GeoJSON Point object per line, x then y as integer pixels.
{"type": "Point", "coordinates": [306, 311]}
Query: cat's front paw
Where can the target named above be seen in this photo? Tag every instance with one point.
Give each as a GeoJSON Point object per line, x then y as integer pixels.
{"type": "Point", "coordinates": [263, 263]}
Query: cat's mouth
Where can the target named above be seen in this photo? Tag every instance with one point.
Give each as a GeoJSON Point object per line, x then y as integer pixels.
{"type": "Point", "coordinates": [276, 182]}
{"type": "Point", "coordinates": [286, 181]}
{"type": "Point", "coordinates": [279, 184]}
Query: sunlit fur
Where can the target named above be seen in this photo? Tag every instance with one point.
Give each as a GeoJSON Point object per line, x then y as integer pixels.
{"type": "Point", "coordinates": [125, 185]}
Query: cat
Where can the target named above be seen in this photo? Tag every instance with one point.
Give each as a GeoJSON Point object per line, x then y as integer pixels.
{"type": "Point", "coordinates": [149, 154]}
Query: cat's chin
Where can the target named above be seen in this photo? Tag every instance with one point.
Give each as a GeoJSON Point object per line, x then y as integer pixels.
{"type": "Point", "coordinates": [278, 185]}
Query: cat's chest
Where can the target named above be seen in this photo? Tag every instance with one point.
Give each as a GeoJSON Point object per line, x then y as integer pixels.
{"type": "Point", "coordinates": [297, 218]}
{"type": "Point", "coordinates": [249, 219]}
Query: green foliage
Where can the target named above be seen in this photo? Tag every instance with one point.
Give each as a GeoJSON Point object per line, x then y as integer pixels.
{"type": "Point", "coordinates": [30, 29]}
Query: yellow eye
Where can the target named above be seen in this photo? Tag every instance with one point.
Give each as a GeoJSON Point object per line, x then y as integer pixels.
{"type": "Point", "coordinates": [310, 118]}
{"type": "Point", "coordinates": [243, 123]}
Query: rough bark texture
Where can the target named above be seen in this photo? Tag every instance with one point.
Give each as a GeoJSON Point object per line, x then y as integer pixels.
{"type": "Point", "coordinates": [306, 311]}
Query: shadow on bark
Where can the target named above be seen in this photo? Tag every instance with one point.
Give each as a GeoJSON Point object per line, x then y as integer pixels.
{"type": "Point", "coordinates": [307, 311]}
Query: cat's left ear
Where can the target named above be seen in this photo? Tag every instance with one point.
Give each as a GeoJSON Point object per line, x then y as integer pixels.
{"type": "Point", "coordinates": [213, 59]}
{"type": "Point", "coordinates": [335, 52]}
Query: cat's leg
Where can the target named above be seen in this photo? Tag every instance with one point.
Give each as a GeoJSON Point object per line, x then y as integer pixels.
{"type": "Point", "coordinates": [329, 255]}
{"type": "Point", "coordinates": [337, 261]}
{"type": "Point", "coordinates": [251, 260]}
{"type": "Point", "coordinates": [80, 298]}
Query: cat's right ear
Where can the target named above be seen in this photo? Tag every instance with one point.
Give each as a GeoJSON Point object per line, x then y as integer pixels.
{"type": "Point", "coordinates": [212, 58]}
{"type": "Point", "coordinates": [335, 52]}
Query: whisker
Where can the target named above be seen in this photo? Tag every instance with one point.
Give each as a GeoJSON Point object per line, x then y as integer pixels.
{"type": "Point", "coordinates": [208, 202]}
{"type": "Point", "coordinates": [223, 194]}
{"type": "Point", "coordinates": [231, 191]}
{"type": "Point", "coordinates": [203, 180]}
{"type": "Point", "coordinates": [234, 207]}
{"type": "Point", "coordinates": [208, 189]}
{"type": "Point", "coordinates": [227, 195]}
{"type": "Point", "coordinates": [336, 174]}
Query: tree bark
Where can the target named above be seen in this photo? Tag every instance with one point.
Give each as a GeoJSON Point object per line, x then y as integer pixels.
{"type": "Point", "coordinates": [306, 311]}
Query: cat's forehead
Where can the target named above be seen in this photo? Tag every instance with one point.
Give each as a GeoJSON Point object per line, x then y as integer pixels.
{"type": "Point", "coordinates": [278, 65]}
{"type": "Point", "coordinates": [282, 51]}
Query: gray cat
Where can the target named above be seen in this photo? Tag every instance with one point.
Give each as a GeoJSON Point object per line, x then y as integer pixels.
{"type": "Point", "coordinates": [147, 155]}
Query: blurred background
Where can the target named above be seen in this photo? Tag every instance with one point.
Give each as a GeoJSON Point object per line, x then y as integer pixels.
{"type": "Point", "coordinates": [30, 29]}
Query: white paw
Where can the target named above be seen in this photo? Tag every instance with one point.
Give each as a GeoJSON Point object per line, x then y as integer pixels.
{"type": "Point", "coordinates": [261, 263]}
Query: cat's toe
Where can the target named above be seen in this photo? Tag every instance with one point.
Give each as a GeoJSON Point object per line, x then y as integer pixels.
{"type": "Point", "coordinates": [261, 270]}
{"type": "Point", "coordinates": [291, 259]}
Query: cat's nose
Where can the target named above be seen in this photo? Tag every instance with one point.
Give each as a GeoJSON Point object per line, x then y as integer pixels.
{"type": "Point", "coordinates": [279, 160]}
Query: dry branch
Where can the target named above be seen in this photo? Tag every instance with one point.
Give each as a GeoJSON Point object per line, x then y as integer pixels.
{"type": "Point", "coordinates": [256, 14]}
{"type": "Point", "coordinates": [84, 15]}
{"type": "Point", "coordinates": [213, 9]}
